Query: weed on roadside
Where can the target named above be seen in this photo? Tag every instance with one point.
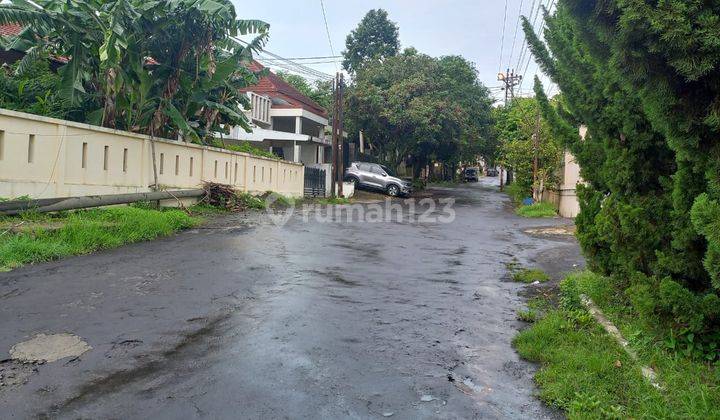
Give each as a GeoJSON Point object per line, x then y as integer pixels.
{"type": "Point", "coordinates": [331, 201]}
{"type": "Point", "coordinates": [527, 315]}
{"type": "Point", "coordinates": [537, 210]}
{"type": "Point", "coordinates": [530, 275]}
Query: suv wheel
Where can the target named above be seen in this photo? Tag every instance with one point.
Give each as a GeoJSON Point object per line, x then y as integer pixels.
{"type": "Point", "coordinates": [393, 190]}
{"type": "Point", "coordinates": [355, 182]}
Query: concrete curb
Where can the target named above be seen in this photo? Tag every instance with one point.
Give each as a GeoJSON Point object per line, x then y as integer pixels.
{"type": "Point", "coordinates": [611, 329]}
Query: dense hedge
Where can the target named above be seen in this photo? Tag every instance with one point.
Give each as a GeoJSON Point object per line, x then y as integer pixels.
{"type": "Point", "coordinates": [643, 76]}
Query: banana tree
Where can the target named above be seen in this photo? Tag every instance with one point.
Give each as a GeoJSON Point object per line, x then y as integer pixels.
{"type": "Point", "coordinates": [159, 67]}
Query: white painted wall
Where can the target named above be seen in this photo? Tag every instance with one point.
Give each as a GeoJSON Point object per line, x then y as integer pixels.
{"type": "Point", "coordinates": [46, 157]}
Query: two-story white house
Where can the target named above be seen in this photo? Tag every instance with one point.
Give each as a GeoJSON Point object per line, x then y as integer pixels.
{"type": "Point", "coordinates": [285, 121]}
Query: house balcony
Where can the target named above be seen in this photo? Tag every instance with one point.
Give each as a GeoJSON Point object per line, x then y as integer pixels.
{"type": "Point", "coordinates": [259, 112]}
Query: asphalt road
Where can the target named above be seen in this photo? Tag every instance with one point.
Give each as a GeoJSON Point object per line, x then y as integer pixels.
{"type": "Point", "coordinates": [311, 319]}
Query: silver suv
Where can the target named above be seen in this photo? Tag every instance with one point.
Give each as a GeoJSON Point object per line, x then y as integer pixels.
{"type": "Point", "coordinates": [372, 175]}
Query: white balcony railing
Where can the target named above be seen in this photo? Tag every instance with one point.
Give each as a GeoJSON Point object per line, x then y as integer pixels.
{"type": "Point", "coordinates": [260, 111]}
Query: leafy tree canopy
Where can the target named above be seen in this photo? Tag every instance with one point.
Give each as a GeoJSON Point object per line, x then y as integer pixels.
{"type": "Point", "coordinates": [375, 38]}
{"type": "Point", "coordinates": [422, 109]}
{"type": "Point", "coordinates": [515, 127]}
{"type": "Point", "coordinates": [320, 91]}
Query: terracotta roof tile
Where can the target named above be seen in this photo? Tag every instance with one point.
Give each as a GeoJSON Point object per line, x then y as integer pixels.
{"type": "Point", "coordinates": [10, 29]}
{"type": "Point", "coordinates": [274, 86]}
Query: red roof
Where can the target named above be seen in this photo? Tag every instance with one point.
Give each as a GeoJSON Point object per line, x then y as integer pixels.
{"type": "Point", "coordinates": [275, 87]}
{"type": "Point", "coordinates": [10, 29]}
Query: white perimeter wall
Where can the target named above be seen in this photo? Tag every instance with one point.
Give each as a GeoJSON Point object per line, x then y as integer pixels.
{"type": "Point", "coordinates": [46, 157]}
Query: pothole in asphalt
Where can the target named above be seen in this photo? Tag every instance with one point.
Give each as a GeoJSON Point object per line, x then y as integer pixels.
{"type": "Point", "coordinates": [14, 374]}
{"type": "Point", "coordinates": [466, 384]}
{"type": "Point", "coordinates": [49, 348]}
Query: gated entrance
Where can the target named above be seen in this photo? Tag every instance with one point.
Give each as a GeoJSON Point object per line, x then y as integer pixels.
{"type": "Point", "coordinates": [314, 182]}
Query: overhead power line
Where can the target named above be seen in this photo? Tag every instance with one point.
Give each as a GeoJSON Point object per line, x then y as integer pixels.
{"type": "Point", "coordinates": [523, 48]}
{"type": "Point", "coordinates": [502, 38]}
{"type": "Point", "coordinates": [517, 24]}
{"type": "Point", "coordinates": [288, 64]}
{"type": "Point", "coordinates": [327, 30]}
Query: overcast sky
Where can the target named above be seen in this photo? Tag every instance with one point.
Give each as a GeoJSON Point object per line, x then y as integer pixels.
{"type": "Point", "coordinates": [471, 28]}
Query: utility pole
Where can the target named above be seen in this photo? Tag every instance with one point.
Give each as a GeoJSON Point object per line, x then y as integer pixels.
{"type": "Point", "coordinates": [509, 80]}
{"type": "Point", "coordinates": [337, 137]}
{"type": "Point", "coordinates": [341, 152]}
{"type": "Point", "coordinates": [536, 150]}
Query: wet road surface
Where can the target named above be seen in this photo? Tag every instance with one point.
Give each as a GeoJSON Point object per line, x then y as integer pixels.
{"type": "Point", "coordinates": [320, 319]}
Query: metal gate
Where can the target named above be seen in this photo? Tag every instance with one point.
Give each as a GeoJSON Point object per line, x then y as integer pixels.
{"type": "Point", "coordinates": [314, 182]}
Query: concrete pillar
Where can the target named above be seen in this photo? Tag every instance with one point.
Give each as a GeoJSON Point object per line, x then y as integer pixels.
{"type": "Point", "coordinates": [296, 151]}
{"type": "Point", "coordinates": [298, 125]}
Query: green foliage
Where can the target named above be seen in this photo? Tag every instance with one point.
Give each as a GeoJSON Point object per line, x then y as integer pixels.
{"type": "Point", "coordinates": [517, 192]}
{"type": "Point", "coordinates": [82, 232]}
{"type": "Point", "coordinates": [515, 126]}
{"type": "Point", "coordinates": [245, 147]}
{"type": "Point", "coordinates": [35, 90]}
{"type": "Point", "coordinates": [527, 315]}
{"type": "Point", "coordinates": [419, 109]}
{"type": "Point", "coordinates": [321, 91]}
{"type": "Point", "coordinates": [537, 210]}
{"type": "Point", "coordinates": [642, 76]}
{"type": "Point", "coordinates": [587, 374]}
{"type": "Point", "coordinates": [374, 39]}
{"type": "Point", "coordinates": [167, 67]}
{"type": "Point", "coordinates": [530, 275]}
{"type": "Point", "coordinates": [250, 201]}
{"type": "Point", "coordinates": [334, 201]}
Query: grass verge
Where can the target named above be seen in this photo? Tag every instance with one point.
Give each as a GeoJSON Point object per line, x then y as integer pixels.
{"type": "Point", "coordinates": [32, 237]}
{"type": "Point", "coordinates": [586, 373]}
{"type": "Point", "coordinates": [537, 210]}
{"type": "Point", "coordinates": [530, 275]}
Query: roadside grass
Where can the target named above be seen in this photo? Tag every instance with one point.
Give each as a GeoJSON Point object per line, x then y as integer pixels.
{"type": "Point", "coordinates": [586, 373]}
{"type": "Point", "coordinates": [250, 201]}
{"type": "Point", "coordinates": [536, 210]}
{"type": "Point", "coordinates": [530, 275]}
{"type": "Point", "coordinates": [52, 236]}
